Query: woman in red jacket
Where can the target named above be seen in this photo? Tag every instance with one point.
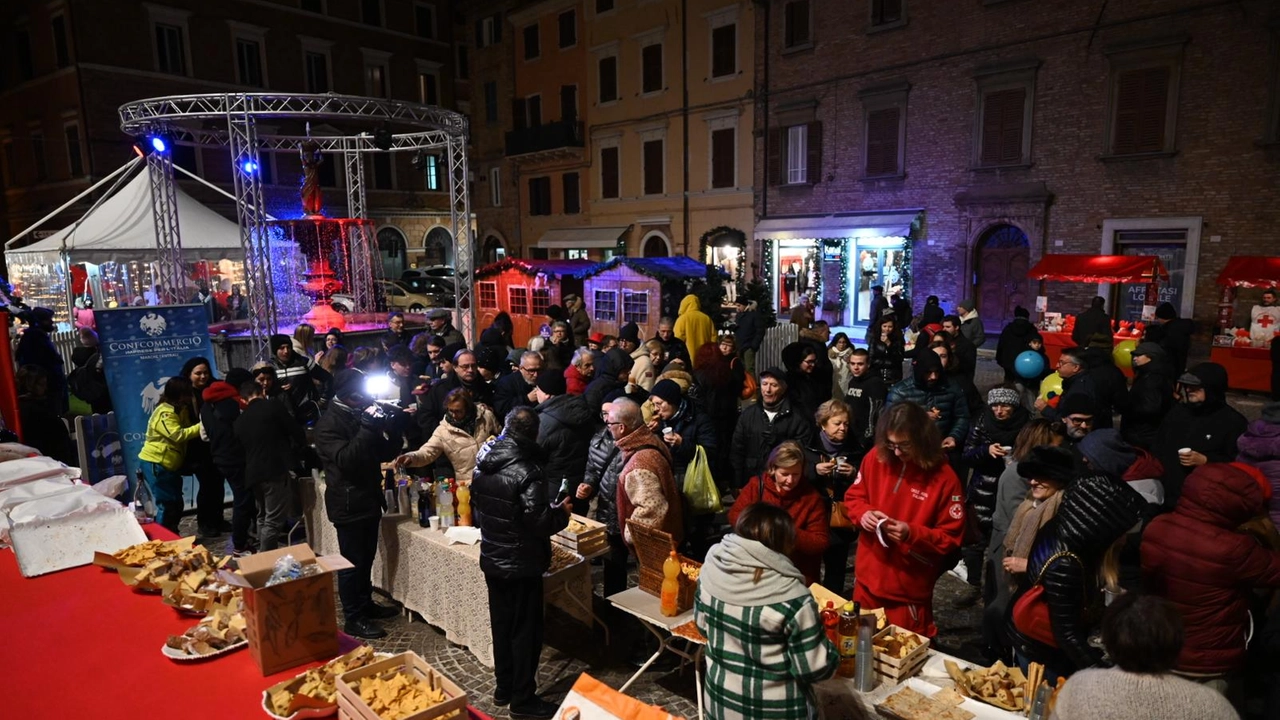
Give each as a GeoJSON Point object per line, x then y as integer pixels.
{"type": "Point", "coordinates": [1197, 557]}
{"type": "Point", "coordinates": [783, 484]}
{"type": "Point", "coordinates": [910, 513]}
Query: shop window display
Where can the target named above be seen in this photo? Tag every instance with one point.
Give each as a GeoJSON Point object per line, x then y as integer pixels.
{"type": "Point", "coordinates": [883, 267]}
{"type": "Point", "coordinates": [797, 275]}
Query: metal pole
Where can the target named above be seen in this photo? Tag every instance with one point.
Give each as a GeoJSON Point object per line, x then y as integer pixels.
{"type": "Point", "coordinates": [73, 201]}
{"type": "Point", "coordinates": [463, 239]}
{"type": "Point", "coordinates": [164, 211]}
{"type": "Point", "coordinates": [360, 246]}
{"type": "Point", "coordinates": [260, 285]}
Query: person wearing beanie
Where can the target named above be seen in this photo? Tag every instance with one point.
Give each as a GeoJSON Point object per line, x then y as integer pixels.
{"type": "Point", "coordinates": [763, 425]}
{"type": "Point", "coordinates": [1172, 334]}
{"type": "Point", "coordinates": [1259, 446]}
{"type": "Point", "coordinates": [1201, 422]}
{"type": "Point", "coordinates": [1015, 339]}
{"type": "Point", "coordinates": [1143, 635]}
{"type": "Point", "coordinates": [565, 424]}
{"type": "Point", "coordinates": [1150, 396]}
{"type": "Point", "coordinates": [352, 443]}
{"type": "Point", "coordinates": [970, 323]}
{"type": "Point", "coordinates": [929, 388]}
{"type": "Point", "coordinates": [35, 347]}
{"type": "Point", "coordinates": [990, 441]}
{"type": "Point", "coordinates": [613, 375]}
{"type": "Point", "coordinates": [681, 425]}
{"type": "Point", "coordinates": [299, 379]}
{"type": "Point", "coordinates": [1078, 414]}
{"type": "Point", "coordinates": [1198, 557]}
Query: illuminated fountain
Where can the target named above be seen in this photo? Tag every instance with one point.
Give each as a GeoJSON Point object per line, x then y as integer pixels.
{"type": "Point", "coordinates": [315, 256]}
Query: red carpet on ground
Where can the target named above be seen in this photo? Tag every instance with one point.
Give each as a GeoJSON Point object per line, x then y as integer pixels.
{"type": "Point", "coordinates": [80, 644]}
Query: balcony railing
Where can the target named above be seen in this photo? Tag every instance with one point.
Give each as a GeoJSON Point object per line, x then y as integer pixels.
{"type": "Point", "coordinates": [551, 136]}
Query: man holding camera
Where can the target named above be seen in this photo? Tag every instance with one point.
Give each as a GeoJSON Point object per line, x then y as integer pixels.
{"type": "Point", "coordinates": [353, 438]}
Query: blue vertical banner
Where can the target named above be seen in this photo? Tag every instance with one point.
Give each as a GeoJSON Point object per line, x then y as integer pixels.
{"type": "Point", "coordinates": [141, 348]}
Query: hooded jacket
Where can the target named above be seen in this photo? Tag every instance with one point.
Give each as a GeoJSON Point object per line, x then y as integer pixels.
{"type": "Point", "coordinates": [1210, 428]}
{"type": "Point", "coordinates": [1174, 337]}
{"type": "Point", "coordinates": [942, 394]}
{"type": "Point", "coordinates": [804, 389]}
{"type": "Point", "coordinates": [1260, 447]}
{"type": "Point", "coordinates": [1195, 557]}
{"type": "Point", "coordinates": [1015, 339]}
{"type": "Point", "coordinates": [606, 381]}
{"type": "Point", "coordinates": [565, 425]}
{"type": "Point", "coordinates": [1095, 512]}
{"type": "Point", "coordinates": [806, 507]}
{"type": "Point", "coordinates": [693, 326]}
{"type": "Point", "coordinates": [755, 436]}
{"type": "Point", "coordinates": [1150, 397]}
{"type": "Point", "coordinates": [765, 640]}
{"type": "Point", "coordinates": [218, 414]}
{"type": "Point", "coordinates": [647, 492]}
{"type": "Point", "coordinates": [865, 397]}
{"type": "Point", "coordinates": [168, 432]}
{"type": "Point", "coordinates": [750, 330]}
{"type": "Point", "coordinates": [513, 511]}
{"type": "Point", "coordinates": [352, 448]}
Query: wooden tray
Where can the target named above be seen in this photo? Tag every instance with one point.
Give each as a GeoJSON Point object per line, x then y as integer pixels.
{"type": "Point", "coordinates": [351, 706]}
{"type": "Point", "coordinates": [588, 542]}
{"type": "Point", "coordinates": [894, 669]}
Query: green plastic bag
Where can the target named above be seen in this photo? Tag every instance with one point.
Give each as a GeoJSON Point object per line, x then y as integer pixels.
{"type": "Point", "coordinates": [699, 487]}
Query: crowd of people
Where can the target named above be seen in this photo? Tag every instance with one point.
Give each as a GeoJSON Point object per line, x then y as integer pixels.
{"type": "Point", "coordinates": [1154, 491]}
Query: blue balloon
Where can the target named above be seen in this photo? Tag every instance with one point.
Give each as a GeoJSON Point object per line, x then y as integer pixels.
{"type": "Point", "coordinates": [1029, 364]}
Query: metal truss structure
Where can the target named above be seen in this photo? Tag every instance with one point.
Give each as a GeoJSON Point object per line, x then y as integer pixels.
{"type": "Point", "coordinates": [164, 210]}
{"type": "Point", "coordinates": [199, 119]}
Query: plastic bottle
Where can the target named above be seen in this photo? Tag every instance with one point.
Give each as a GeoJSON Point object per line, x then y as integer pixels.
{"type": "Point", "coordinates": [389, 491]}
{"type": "Point", "coordinates": [444, 504]}
{"type": "Point", "coordinates": [865, 676]}
{"type": "Point", "coordinates": [424, 506]}
{"type": "Point", "coordinates": [670, 598]}
{"type": "Point", "coordinates": [848, 644]}
{"type": "Point", "coordinates": [464, 505]}
{"type": "Point", "coordinates": [831, 622]}
{"type": "Point", "coordinates": [402, 495]}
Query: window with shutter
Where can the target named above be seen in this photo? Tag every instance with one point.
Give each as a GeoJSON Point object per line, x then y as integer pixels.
{"type": "Point", "coordinates": [531, 44]}
{"type": "Point", "coordinates": [608, 79]}
{"type": "Point", "coordinates": [533, 106]}
{"type": "Point", "coordinates": [1002, 117]}
{"type": "Point", "coordinates": [609, 172]}
{"type": "Point", "coordinates": [519, 118]}
{"type": "Point", "coordinates": [723, 151]}
{"type": "Point", "coordinates": [813, 153]}
{"type": "Point", "coordinates": [572, 202]}
{"type": "Point", "coordinates": [886, 12]}
{"type": "Point", "coordinates": [540, 196]}
{"type": "Point", "coordinates": [775, 170]}
{"type": "Point", "coordinates": [882, 142]}
{"type": "Point", "coordinates": [724, 51]}
{"type": "Point", "coordinates": [796, 24]}
{"type": "Point", "coordinates": [653, 167]}
{"type": "Point", "coordinates": [568, 22]}
{"type": "Point", "coordinates": [651, 68]}
{"type": "Point", "coordinates": [1141, 104]}
{"type": "Point", "coordinates": [797, 154]}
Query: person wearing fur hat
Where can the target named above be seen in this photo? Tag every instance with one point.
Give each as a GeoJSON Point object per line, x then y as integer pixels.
{"type": "Point", "coordinates": [990, 441]}
{"type": "Point", "coordinates": [299, 377]}
{"type": "Point", "coordinates": [1201, 423]}
{"type": "Point", "coordinates": [1150, 396]}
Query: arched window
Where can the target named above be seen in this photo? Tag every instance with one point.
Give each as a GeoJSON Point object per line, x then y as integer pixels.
{"type": "Point", "coordinates": [393, 250]}
{"type": "Point", "coordinates": [656, 245]}
{"type": "Point", "coordinates": [439, 247]}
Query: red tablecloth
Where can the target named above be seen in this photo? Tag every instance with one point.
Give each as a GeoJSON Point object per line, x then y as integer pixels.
{"type": "Point", "coordinates": [1056, 342]}
{"type": "Point", "coordinates": [1248, 368]}
{"type": "Point", "coordinates": [79, 644]}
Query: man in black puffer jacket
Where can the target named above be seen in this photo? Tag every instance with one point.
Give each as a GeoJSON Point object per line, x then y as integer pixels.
{"type": "Point", "coordinates": [1015, 339]}
{"type": "Point", "coordinates": [1150, 397]}
{"type": "Point", "coordinates": [1200, 421]}
{"type": "Point", "coordinates": [352, 444]}
{"type": "Point", "coordinates": [604, 465]}
{"type": "Point", "coordinates": [763, 425]}
{"type": "Point", "coordinates": [565, 428]}
{"type": "Point", "coordinates": [516, 522]}
{"type": "Point", "coordinates": [1095, 512]}
{"type": "Point", "coordinates": [945, 402]}
{"type": "Point", "coordinates": [218, 415]}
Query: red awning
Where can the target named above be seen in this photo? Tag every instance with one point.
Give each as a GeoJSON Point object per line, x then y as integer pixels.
{"type": "Point", "coordinates": [1251, 271]}
{"type": "Point", "coordinates": [1099, 268]}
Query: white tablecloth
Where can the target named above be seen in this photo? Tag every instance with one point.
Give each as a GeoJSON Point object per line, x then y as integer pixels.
{"type": "Point", "coordinates": [440, 581]}
{"type": "Point", "coordinates": [834, 696]}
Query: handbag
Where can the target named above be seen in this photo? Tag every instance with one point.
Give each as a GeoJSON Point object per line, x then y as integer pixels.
{"type": "Point", "coordinates": [839, 517]}
{"type": "Point", "coordinates": [750, 386]}
{"type": "Point", "coordinates": [1031, 611]}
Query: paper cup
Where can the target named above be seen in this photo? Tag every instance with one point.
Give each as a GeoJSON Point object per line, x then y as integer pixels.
{"type": "Point", "coordinates": [434, 522]}
{"type": "Point", "coordinates": [1006, 449]}
{"type": "Point", "coordinates": [1184, 451]}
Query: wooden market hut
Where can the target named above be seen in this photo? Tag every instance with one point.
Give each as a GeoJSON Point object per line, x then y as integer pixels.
{"type": "Point", "coordinates": [642, 290]}
{"type": "Point", "coordinates": [525, 289]}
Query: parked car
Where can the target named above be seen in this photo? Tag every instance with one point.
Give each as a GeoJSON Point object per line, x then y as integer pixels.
{"type": "Point", "coordinates": [399, 296]}
{"type": "Point", "coordinates": [417, 281]}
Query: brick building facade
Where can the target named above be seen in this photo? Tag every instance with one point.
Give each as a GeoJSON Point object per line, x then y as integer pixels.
{"type": "Point", "coordinates": [1016, 129]}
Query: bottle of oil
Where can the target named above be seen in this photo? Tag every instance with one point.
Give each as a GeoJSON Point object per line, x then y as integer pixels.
{"type": "Point", "coordinates": [848, 646]}
{"type": "Point", "coordinates": [670, 597]}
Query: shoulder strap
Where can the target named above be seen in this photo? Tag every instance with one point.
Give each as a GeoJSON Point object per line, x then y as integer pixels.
{"type": "Point", "coordinates": [1054, 558]}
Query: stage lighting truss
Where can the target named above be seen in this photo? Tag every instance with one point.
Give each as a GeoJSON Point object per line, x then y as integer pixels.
{"type": "Point", "coordinates": [387, 126]}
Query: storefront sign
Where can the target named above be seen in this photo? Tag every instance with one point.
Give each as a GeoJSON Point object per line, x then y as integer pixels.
{"type": "Point", "coordinates": [141, 348]}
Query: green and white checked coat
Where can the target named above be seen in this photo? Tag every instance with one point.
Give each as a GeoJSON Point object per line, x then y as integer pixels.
{"type": "Point", "coordinates": [762, 659]}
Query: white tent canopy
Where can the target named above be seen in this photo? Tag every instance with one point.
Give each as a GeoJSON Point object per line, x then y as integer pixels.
{"type": "Point", "coordinates": [123, 227]}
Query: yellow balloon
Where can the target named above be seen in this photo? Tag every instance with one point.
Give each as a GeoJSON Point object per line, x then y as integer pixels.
{"type": "Point", "coordinates": [1051, 384]}
{"type": "Point", "coordinates": [1123, 353]}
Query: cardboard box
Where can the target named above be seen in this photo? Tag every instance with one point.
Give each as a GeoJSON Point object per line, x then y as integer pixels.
{"type": "Point", "coordinates": [350, 706]}
{"type": "Point", "coordinates": [293, 622]}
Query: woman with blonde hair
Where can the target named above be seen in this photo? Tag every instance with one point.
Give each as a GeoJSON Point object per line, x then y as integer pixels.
{"type": "Point", "coordinates": [467, 425]}
{"type": "Point", "coordinates": [783, 484]}
{"type": "Point", "coordinates": [909, 508]}
{"type": "Point", "coordinates": [765, 642]}
{"type": "Point", "coordinates": [832, 458]}
{"type": "Point", "coordinates": [303, 337]}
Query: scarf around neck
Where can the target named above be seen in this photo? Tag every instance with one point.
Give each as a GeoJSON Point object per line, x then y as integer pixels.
{"type": "Point", "coordinates": [730, 574]}
{"type": "Point", "coordinates": [1027, 521]}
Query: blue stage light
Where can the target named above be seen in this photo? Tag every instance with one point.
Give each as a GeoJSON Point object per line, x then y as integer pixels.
{"type": "Point", "coordinates": [250, 167]}
{"type": "Point", "coordinates": [158, 144]}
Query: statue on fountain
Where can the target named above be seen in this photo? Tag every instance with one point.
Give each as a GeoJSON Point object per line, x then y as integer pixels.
{"type": "Point", "coordinates": [312, 199]}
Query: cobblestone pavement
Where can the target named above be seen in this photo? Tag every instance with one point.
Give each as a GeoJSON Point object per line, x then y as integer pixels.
{"type": "Point", "coordinates": [572, 648]}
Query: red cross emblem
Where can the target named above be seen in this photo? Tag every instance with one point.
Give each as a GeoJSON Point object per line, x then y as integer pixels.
{"type": "Point", "coordinates": [1266, 321]}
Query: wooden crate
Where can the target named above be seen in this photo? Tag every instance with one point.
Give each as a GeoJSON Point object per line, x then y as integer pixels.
{"type": "Point", "coordinates": [653, 547]}
{"type": "Point", "coordinates": [351, 707]}
{"type": "Point", "coordinates": [895, 670]}
{"type": "Point", "coordinates": [588, 542]}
